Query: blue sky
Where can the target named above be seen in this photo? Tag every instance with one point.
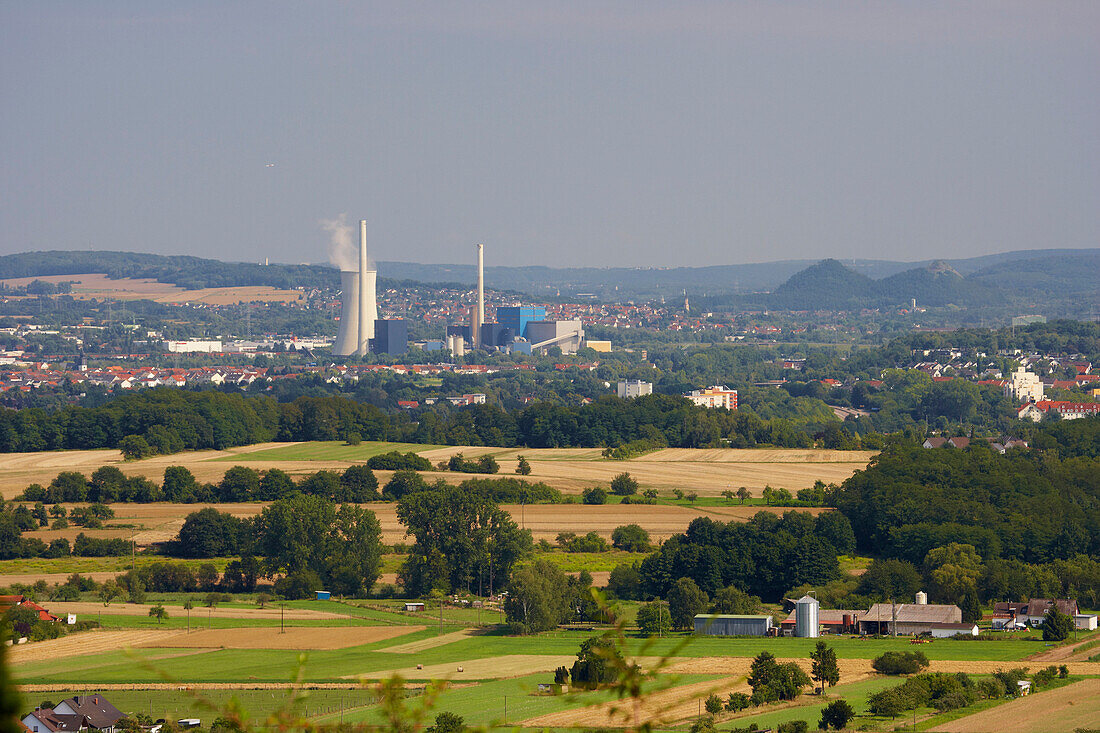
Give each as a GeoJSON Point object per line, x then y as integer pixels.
{"type": "Point", "coordinates": [595, 133]}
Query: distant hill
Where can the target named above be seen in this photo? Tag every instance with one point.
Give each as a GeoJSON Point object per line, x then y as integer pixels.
{"type": "Point", "coordinates": [192, 273]}
{"type": "Point", "coordinates": [938, 285]}
{"type": "Point", "coordinates": [828, 285]}
{"type": "Point", "coordinates": [1053, 281]}
{"type": "Point", "coordinates": [1061, 282]}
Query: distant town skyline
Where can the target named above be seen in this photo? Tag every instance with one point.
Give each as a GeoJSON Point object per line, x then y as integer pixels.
{"type": "Point", "coordinates": [649, 134]}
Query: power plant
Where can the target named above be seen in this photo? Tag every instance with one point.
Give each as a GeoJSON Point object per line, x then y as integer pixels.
{"type": "Point", "coordinates": [519, 329]}
{"type": "Point", "coordinates": [359, 311]}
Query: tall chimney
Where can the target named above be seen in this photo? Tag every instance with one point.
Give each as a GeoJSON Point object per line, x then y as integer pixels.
{"type": "Point", "coordinates": [371, 286]}
{"type": "Point", "coordinates": [363, 341]}
{"type": "Point", "coordinates": [480, 292]}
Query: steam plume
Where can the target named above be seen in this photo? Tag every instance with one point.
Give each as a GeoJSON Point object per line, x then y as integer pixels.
{"type": "Point", "coordinates": [342, 250]}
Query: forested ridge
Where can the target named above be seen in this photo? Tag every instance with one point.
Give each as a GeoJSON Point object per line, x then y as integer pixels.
{"type": "Point", "coordinates": [1034, 505]}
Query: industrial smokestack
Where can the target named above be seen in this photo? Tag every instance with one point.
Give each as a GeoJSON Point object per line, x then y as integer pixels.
{"type": "Point", "coordinates": [370, 285]}
{"type": "Point", "coordinates": [480, 293]}
{"type": "Point", "coordinates": [363, 342]}
{"type": "Point", "coordinates": [347, 341]}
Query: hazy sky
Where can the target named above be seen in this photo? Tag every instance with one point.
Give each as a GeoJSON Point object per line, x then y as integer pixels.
{"type": "Point", "coordinates": [558, 133]}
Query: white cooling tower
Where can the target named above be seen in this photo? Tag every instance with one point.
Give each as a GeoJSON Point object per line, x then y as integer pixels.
{"type": "Point", "coordinates": [347, 339]}
{"type": "Point", "coordinates": [369, 292]}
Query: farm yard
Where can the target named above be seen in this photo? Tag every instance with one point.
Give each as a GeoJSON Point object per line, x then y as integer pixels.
{"type": "Point", "coordinates": [254, 662]}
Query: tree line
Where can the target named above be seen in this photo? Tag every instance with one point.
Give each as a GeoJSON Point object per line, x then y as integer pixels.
{"type": "Point", "coordinates": [165, 421]}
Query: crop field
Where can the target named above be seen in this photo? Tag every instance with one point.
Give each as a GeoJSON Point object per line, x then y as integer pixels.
{"type": "Point", "coordinates": [315, 637]}
{"type": "Point", "coordinates": [327, 451]}
{"type": "Point", "coordinates": [348, 643]}
{"type": "Point", "coordinates": [175, 704]}
{"type": "Point", "coordinates": [99, 286]}
{"type": "Point", "coordinates": [1061, 709]}
{"type": "Point", "coordinates": [707, 472]}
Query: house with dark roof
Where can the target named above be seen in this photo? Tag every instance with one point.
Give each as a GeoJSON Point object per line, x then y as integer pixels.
{"type": "Point", "coordinates": [907, 618]}
{"type": "Point", "coordinates": [1038, 608]}
{"type": "Point", "coordinates": [45, 720]}
{"type": "Point", "coordinates": [75, 714]}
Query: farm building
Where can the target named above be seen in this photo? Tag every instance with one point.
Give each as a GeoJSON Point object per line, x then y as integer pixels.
{"type": "Point", "coordinates": [946, 631]}
{"type": "Point", "coordinates": [907, 618]}
{"type": "Point", "coordinates": [722, 624]}
{"type": "Point", "coordinates": [832, 621]}
{"type": "Point", "coordinates": [414, 607]}
{"type": "Point", "coordinates": [1037, 608]}
{"type": "Point", "coordinates": [1085, 621]}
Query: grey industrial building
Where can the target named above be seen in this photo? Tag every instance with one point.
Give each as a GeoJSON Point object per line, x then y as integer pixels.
{"type": "Point", "coordinates": [723, 624]}
{"type": "Point", "coordinates": [391, 336]}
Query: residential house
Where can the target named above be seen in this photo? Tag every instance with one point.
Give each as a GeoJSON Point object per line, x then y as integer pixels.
{"type": "Point", "coordinates": [100, 714]}
{"type": "Point", "coordinates": [1038, 608]}
{"type": "Point", "coordinates": [45, 720]}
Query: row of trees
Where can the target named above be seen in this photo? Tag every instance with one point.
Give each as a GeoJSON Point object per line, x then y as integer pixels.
{"type": "Point", "coordinates": [357, 483]}
{"type": "Point", "coordinates": [165, 420]}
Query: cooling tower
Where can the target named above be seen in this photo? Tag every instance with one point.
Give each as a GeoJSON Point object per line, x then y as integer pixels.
{"type": "Point", "coordinates": [369, 294]}
{"type": "Point", "coordinates": [347, 340]}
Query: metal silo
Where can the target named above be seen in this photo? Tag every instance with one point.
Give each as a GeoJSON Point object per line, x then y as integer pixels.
{"type": "Point", "coordinates": [805, 617]}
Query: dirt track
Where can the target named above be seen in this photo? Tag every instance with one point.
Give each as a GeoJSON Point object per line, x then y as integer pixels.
{"type": "Point", "coordinates": [303, 637]}
{"type": "Point", "coordinates": [84, 608]}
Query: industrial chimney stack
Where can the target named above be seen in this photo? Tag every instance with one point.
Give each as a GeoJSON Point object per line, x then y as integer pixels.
{"type": "Point", "coordinates": [480, 319]}
{"type": "Point", "coordinates": [363, 342]}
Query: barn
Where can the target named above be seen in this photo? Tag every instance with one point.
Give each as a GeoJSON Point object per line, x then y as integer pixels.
{"type": "Point", "coordinates": [723, 624]}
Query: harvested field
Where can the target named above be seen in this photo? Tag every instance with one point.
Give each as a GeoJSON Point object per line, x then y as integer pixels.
{"type": "Point", "coordinates": [666, 706]}
{"type": "Point", "coordinates": [308, 637]}
{"type": "Point", "coordinates": [1064, 709]}
{"type": "Point", "coordinates": [142, 609]}
{"type": "Point", "coordinates": [661, 521]}
{"type": "Point", "coordinates": [87, 642]}
{"type": "Point", "coordinates": [508, 665]}
{"type": "Point", "coordinates": [756, 455]}
{"type": "Point", "coordinates": [98, 286]}
{"type": "Point", "coordinates": [859, 667]}
{"type": "Point", "coordinates": [706, 472]}
{"type": "Point", "coordinates": [425, 644]}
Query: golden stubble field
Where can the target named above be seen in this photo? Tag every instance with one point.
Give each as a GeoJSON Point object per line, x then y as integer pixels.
{"type": "Point", "coordinates": [98, 286]}
{"type": "Point", "coordinates": [705, 472]}
{"type": "Point", "coordinates": [571, 470]}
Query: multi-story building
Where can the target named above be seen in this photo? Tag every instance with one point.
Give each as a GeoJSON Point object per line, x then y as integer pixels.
{"type": "Point", "coordinates": [1024, 386]}
{"type": "Point", "coordinates": [633, 388]}
{"type": "Point", "coordinates": [716, 396]}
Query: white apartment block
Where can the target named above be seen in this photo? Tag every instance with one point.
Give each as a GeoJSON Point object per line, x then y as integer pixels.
{"type": "Point", "coordinates": [1023, 386]}
{"type": "Point", "coordinates": [633, 388]}
{"type": "Point", "coordinates": [716, 396]}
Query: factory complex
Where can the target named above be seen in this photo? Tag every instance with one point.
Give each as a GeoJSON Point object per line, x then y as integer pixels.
{"type": "Point", "coordinates": [517, 329]}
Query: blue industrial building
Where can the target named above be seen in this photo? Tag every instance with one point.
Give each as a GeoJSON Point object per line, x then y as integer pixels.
{"type": "Point", "coordinates": [516, 317]}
